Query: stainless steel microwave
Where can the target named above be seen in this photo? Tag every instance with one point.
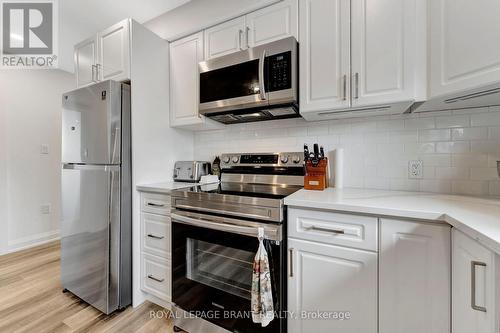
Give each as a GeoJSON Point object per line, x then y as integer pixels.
{"type": "Point", "coordinates": [259, 83]}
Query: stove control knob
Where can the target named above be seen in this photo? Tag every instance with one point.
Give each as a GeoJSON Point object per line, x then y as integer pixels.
{"type": "Point", "coordinates": [296, 159]}
{"type": "Point", "coordinates": [235, 159]}
{"type": "Point", "coordinates": [284, 159]}
{"type": "Point", "coordinates": [226, 159]}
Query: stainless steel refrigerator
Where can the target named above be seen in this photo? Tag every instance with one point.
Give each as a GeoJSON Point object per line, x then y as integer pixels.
{"type": "Point", "coordinates": [96, 228]}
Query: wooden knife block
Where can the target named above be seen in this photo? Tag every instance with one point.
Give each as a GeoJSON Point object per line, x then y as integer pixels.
{"type": "Point", "coordinates": [316, 177]}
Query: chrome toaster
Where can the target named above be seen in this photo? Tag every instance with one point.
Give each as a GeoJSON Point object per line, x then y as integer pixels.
{"type": "Point", "coordinates": [190, 171]}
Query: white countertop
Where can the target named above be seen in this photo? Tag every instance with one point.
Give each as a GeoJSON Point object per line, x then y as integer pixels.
{"type": "Point", "coordinates": [477, 217]}
{"type": "Point", "coordinates": [165, 187]}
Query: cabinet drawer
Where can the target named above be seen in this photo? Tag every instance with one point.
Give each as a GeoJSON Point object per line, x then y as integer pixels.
{"type": "Point", "coordinates": [156, 235]}
{"type": "Point", "coordinates": [156, 278]}
{"type": "Point", "coordinates": [333, 228]}
{"type": "Point", "coordinates": [155, 203]}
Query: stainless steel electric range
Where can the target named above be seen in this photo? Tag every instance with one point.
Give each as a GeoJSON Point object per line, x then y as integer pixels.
{"type": "Point", "coordinates": [214, 242]}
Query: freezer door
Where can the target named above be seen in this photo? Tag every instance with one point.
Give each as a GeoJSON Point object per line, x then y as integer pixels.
{"type": "Point", "coordinates": [91, 124]}
{"type": "Point", "coordinates": [90, 230]}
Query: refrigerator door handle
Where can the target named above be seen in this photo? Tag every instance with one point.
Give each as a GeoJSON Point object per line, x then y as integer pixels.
{"type": "Point", "coordinates": [69, 166]}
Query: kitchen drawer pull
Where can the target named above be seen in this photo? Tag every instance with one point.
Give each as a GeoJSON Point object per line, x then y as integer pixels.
{"type": "Point", "coordinates": [474, 264]}
{"type": "Point", "coordinates": [152, 204]}
{"type": "Point", "coordinates": [155, 237]}
{"type": "Point", "coordinates": [344, 93]}
{"type": "Point", "coordinates": [333, 231]}
{"type": "Point", "coordinates": [291, 262]}
{"type": "Point", "coordinates": [155, 279]}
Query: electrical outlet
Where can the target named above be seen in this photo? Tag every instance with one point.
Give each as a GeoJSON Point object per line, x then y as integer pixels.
{"type": "Point", "coordinates": [416, 169]}
{"type": "Point", "coordinates": [44, 149]}
{"type": "Point", "coordinates": [45, 209]}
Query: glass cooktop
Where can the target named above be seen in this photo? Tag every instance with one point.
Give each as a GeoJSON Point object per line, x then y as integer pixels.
{"type": "Point", "coordinates": [247, 190]}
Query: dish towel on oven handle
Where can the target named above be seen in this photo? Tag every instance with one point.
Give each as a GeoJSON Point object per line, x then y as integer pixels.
{"type": "Point", "coordinates": [262, 293]}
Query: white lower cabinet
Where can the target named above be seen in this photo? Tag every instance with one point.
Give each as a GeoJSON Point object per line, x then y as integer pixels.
{"type": "Point", "coordinates": [156, 281]}
{"type": "Point", "coordinates": [331, 280]}
{"type": "Point", "coordinates": [414, 277]}
{"type": "Point", "coordinates": [474, 287]}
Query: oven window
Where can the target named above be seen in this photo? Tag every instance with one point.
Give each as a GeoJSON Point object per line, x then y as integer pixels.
{"type": "Point", "coordinates": [221, 267]}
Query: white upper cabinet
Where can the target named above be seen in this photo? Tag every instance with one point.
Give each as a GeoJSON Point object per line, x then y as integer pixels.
{"type": "Point", "coordinates": [414, 273]}
{"type": "Point", "coordinates": [384, 50]}
{"type": "Point", "coordinates": [106, 56]}
{"type": "Point", "coordinates": [225, 38]}
{"type": "Point", "coordinates": [324, 62]}
{"type": "Point", "coordinates": [272, 23]}
{"type": "Point", "coordinates": [85, 62]}
{"type": "Point", "coordinates": [325, 278]}
{"type": "Point", "coordinates": [474, 286]}
{"type": "Point", "coordinates": [260, 27]}
{"type": "Point", "coordinates": [185, 54]}
{"type": "Point", "coordinates": [465, 52]}
{"type": "Point", "coordinates": [114, 52]}
{"type": "Point", "coordinates": [361, 55]}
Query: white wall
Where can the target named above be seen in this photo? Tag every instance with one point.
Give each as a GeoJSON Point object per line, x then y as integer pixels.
{"type": "Point", "coordinates": [459, 149]}
{"type": "Point", "coordinates": [30, 105]}
{"type": "Point", "coordinates": [197, 15]}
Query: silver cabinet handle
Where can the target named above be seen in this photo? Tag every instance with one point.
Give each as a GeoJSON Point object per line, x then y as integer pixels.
{"type": "Point", "coordinates": [344, 87]}
{"type": "Point", "coordinates": [474, 264]}
{"type": "Point", "coordinates": [262, 87]}
{"type": "Point", "coordinates": [247, 37]}
{"type": "Point", "coordinates": [155, 279]}
{"type": "Point", "coordinates": [93, 73]}
{"type": "Point", "coordinates": [97, 66]}
{"type": "Point", "coordinates": [356, 82]}
{"type": "Point", "coordinates": [155, 237]}
{"type": "Point", "coordinates": [240, 32]}
{"type": "Point", "coordinates": [333, 231]}
{"type": "Point", "coordinates": [152, 204]}
{"type": "Point", "coordinates": [291, 261]}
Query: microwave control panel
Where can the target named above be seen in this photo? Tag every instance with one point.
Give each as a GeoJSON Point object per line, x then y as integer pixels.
{"type": "Point", "coordinates": [279, 68]}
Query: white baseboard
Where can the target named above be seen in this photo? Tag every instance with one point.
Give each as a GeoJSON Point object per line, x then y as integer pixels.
{"type": "Point", "coordinates": [31, 241]}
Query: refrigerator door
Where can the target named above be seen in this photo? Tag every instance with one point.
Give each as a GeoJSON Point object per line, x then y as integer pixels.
{"type": "Point", "coordinates": [90, 230]}
{"type": "Point", "coordinates": [91, 124]}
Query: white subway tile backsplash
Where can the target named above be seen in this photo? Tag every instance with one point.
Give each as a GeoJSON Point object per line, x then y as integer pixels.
{"type": "Point", "coordinates": [453, 121]}
{"type": "Point", "coordinates": [476, 133]}
{"type": "Point", "coordinates": [459, 149]}
{"type": "Point", "coordinates": [485, 119]}
{"type": "Point", "coordinates": [453, 147]}
{"type": "Point", "coordinates": [469, 160]}
{"type": "Point", "coordinates": [452, 173]}
{"type": "Point", "coordinates": [420, 123]}
{"type": "Point", "coordinates": [469, 187]}
{"type": "Point", "coordinates": [434, 135]}
{"type": "Point", "coordinates": [484, 173]}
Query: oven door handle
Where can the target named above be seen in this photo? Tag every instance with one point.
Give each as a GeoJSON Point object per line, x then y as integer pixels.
{"type": "Point", "coordinates": [227, 227]}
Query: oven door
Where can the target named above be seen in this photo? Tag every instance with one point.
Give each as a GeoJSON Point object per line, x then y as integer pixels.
{"type": "Point", "coordinates": [212, 270]}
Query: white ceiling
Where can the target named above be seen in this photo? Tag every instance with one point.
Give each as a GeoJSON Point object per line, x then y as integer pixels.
{"type": "Point", "coordinates": [80, 19]}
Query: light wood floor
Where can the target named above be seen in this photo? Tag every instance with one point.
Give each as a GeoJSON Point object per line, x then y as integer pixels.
{"type": "Point", "coordinates": [31, 300]}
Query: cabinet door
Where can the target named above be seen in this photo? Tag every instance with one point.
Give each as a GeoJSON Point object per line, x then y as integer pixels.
{"type": "Point", "coordinates": [184, 80]}
{"type": "Point", "coordinates": [473, 277]}
{"type": "Point", "coordinates": [324, 34]}
{"type": "Point", "coordinates": [225, 38]}
{"type": "Point", "coordinates": [114, 52]}
{"type": "Point", "coordinates": [384, 42]}
{"type": "Point", "coordinates": [465, 51]}
{"type": "Point", "coordinates": [85, 61]}
{"type": "Point", "coordinates": [329, 279]}
{"type": "Point", "coordinates": [272, 23]}
{"type": "Point", "coordinates": [414, 273]}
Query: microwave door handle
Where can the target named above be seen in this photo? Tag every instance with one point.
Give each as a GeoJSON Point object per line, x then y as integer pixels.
{"type": "Point", "coordinates": [262, 87]}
